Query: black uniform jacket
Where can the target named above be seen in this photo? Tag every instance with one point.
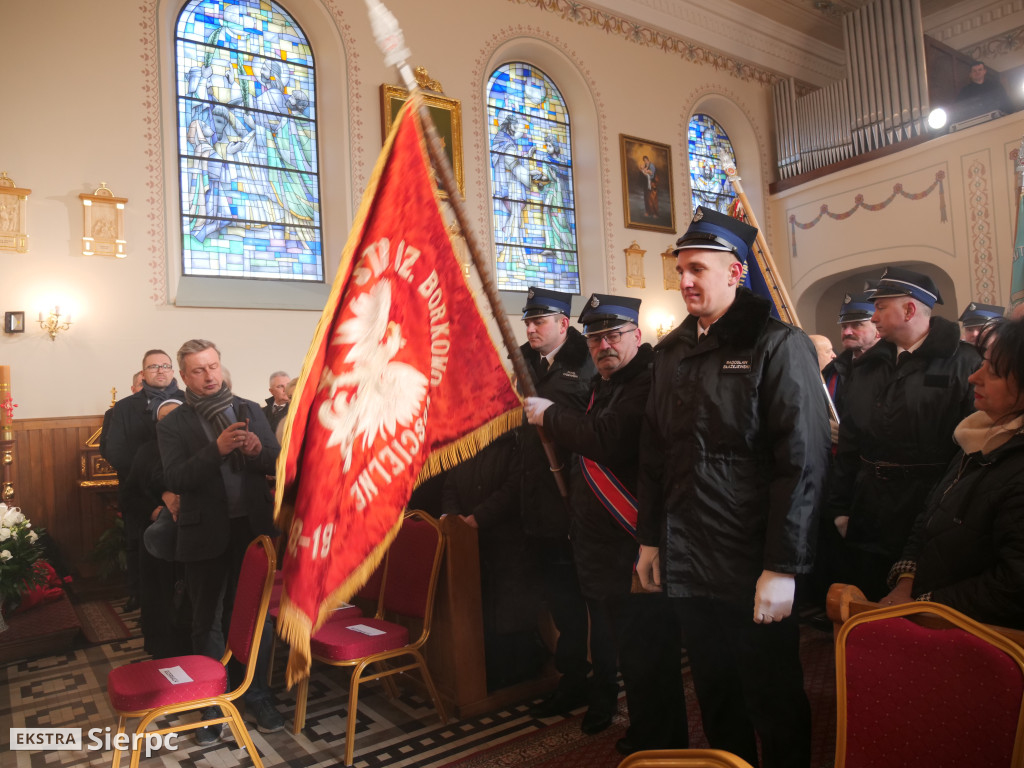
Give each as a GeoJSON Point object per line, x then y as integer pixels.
{"type": "Point", "coordinates": [567, 383]}
{"type": "Point", "coordinates": [609, 433]}
{"type": "Point", "coordinates": [902, 416]}
{"type": "Point", "coordinates": [734, 453]}
{"type": "Point", "coordinates": [969, 542]}
{"type": "Point", "coordinates": [192, 469]}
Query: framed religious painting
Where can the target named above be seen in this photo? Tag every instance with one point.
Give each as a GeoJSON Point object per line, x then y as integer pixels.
{"type": "Point", "coordinates": [447, 116]}
{"type": "Point", "coordinates": [103, 223]}
{"type": "Point", "coordinates": [647, 184]}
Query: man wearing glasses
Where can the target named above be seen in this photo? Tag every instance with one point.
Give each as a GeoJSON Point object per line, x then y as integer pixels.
{"type": "Point", "coordinates": [641, 627]}
{"type": "Point", "coordinates": [130, 426]}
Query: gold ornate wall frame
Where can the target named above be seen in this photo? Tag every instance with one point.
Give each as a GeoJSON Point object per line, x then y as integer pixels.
{"type": "Point", "coordinates": [13, 215]}
{"type": "Point", "coordinates": [635, 266]}
{"type": "Point", "coordinates": [446, 113]}
{"type": "Point", "coordinates": [103, 223]}
{"type": "Point", "coordinates": [668, 269]}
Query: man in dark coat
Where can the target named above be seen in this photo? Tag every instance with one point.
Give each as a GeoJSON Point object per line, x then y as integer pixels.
{"type": "Point", "coordinates": [857, 334]}
{"type": "Point", "coordinates": [217, 451]}
{"type": "Point", "coordinates": [131, 425]}
{"type": "Point", "coordinates": [603, 528]}
{"type": "Point", "coordinates": [734, 454]}
{"type": "Point", "coordinates": [976, 316]}
{"type": "Point", "coordinates": [558, 358]}
{"type": "Point", "coordinates": [896, 436]}
{"type": "Point", "coordinates": [277, 404]}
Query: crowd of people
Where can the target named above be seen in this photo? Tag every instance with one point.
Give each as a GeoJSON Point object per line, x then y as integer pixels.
{"type": "Point", "coordinates": [704, 474]}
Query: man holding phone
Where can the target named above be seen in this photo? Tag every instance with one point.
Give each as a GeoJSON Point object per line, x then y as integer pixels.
{"type": "Point", "coordinates": [217, 450]}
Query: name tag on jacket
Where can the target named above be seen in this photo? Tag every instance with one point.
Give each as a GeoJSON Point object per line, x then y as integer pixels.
{"type": "Point", "coordinates": [736, 365]}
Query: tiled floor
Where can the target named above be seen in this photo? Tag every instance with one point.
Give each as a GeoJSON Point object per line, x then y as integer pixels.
{"type": "Point", "coordinates": [70, 691]}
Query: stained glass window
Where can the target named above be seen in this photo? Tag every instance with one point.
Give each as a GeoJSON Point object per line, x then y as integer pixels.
{"type": "Point", "coordinates": [532, 203]}
{"type": "Point", "coordinates": [709, 146]}
{"type": "Point", "coordinates": [250, 191]}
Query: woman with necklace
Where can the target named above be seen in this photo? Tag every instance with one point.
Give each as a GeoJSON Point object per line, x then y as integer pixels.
{"type": "Point", "coordinates": [967, 548]}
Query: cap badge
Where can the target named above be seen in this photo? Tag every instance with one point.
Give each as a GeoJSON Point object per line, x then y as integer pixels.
{"type": "Point", "coordinates": [530, 295]}
{"type": "Point", "coordinates": [848, 299]}
{"type": "Point", "coordinates": [594, 302]}
{"type": "Point", "coordinates": [698, 216]}
{"type": "Point", "coordinates": [972, 306]}
{"type": "Point", "coordinates": [885, 274]}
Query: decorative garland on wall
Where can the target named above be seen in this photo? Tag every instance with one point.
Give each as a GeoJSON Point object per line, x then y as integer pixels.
{"type": "Point", "coordinates": [858, 202]}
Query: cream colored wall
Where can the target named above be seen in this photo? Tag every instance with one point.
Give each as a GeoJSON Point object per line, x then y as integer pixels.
{"type": "Point", "coordinates": [967, 247]}
{"type": "Point", "coordinates": [93, 106]}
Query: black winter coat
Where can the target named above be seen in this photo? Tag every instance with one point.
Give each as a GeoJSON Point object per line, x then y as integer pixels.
{"type": "Point", "coordinates": [609, 433]}
{"type": "Point", "coordinates": [903, 416]}
{"type": "Point", "coordinates": [734, 453]}
{"type": "Point", "coordinates": [567, 383]}
{"type": "Point", "coordinates": [969, 542]}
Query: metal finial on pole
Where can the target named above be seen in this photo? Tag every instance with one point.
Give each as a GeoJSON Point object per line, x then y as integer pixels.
{"type": "Point", "coordinates": [392, 43]}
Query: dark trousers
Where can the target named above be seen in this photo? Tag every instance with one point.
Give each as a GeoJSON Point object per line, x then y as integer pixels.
{"type": "Point", "coordinates": [562, 594]}
{"type": "Point", "coordinates": [164, 610]}
{"type": "Point", "coordinates": [748, 679]}
{"type": "Point", "coordinates": [648, 640]}
{"type": "Point", "coordinates": [211, 588]}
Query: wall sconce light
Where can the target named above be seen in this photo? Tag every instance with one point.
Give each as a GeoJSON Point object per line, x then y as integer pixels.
{"type": "Point", "coordinates": [665, 326]}
{"type": "Point", "coordinates": [53, 325]}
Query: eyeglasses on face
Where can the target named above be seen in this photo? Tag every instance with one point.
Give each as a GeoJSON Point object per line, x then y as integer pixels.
{"type": "Point", "coordinates": [159, 367]}
{"type": "Point", "coordinates": [612, 337]}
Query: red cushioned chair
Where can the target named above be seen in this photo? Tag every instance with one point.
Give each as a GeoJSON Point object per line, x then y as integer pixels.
{"type": "Point", "coordinates": [409, 582]}
{"type": "Point", "coordinates": [684, 758]}
{"type": "Point", "coordinates": [918, 692]}
{"type": "Point", "coordinates": [370, 591]}
{"type": "Point", "coordinates": [140, 690]}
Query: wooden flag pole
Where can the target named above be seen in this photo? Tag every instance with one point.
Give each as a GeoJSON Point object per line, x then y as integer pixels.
{"type": "Point", "coordinates": [768, 269]}
{"type": "Point", "coordinates": [764, 255]}
{"type": "Point", "coordinates": [392, 44]}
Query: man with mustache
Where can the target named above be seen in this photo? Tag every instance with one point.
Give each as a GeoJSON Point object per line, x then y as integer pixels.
{"type": "Point", "coordinates": [603, 528]}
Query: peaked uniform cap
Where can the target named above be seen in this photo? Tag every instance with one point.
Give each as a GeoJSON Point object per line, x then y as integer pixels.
{"type": "Point", "coordinates": [603, 312]}
{"type": "Point", "coordinates": [856, 307]}
{"type": "Point", "coordinates": [541, 302]}
{"type": "Point", "coordinates": [711, 230]}
{"type": "Point", "coordinates": [978, 314]}
{"type": "Point", "coordinates": [897, 281]}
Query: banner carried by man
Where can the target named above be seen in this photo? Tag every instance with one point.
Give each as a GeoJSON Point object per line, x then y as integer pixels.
{"type": "Point", "coordinates": [401, 380]}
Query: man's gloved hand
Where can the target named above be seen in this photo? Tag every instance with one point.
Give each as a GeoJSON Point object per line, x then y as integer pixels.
{"type": "Point", "coordinates": [535, 407]}
{"type": "Point", "coordinates": [773, 597]}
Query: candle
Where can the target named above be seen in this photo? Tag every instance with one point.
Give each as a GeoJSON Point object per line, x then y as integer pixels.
{"type": "Point", "coordinates": [5, 393]}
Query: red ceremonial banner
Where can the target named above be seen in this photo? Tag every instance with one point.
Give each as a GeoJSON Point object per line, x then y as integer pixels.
{"type": "Point", "coordinates": [402, 380]}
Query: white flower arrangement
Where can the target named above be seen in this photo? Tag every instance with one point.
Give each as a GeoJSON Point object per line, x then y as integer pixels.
{"type": "Point", "coordinates": [19, 551]}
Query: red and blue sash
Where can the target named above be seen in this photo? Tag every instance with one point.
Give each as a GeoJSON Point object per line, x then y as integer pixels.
{"type": "Point", "coordinates": [613, 495]}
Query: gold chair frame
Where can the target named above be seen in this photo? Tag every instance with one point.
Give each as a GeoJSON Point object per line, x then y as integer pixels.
{"type": "Point", "coordinates": [947, 617]}
{"type": "Point", "coordinates": [232, 718]}
{"type": "Point", "coordinates": [684, 758]}
{"type": "Point", "coordinates": [385, 671]}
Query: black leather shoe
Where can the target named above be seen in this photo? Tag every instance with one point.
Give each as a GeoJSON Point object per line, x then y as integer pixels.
{"type": "Point", "coordinates": [595, 721]}
{"type": "Point", "coordinates": [132, 604]}
{"type": "Point", "coordinates": [561, 702]}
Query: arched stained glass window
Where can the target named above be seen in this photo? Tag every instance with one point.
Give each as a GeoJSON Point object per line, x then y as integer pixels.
{"type": "Point", "coordinates": [533, 208]}
{"type": "Point", "coordinates": [709, 147]}
{"type": "Point", "coordinates": [250, 191]}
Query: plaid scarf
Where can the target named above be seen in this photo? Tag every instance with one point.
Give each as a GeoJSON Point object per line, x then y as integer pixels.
{"type": "Point", "coordinates": [214, 408]}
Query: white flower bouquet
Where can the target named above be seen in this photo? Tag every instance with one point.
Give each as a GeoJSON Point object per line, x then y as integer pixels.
{"type": "Point", "coordinates": [19, 551]}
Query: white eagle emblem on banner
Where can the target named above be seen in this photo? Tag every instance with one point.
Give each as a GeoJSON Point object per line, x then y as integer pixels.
{"type": "Point", "coordinates": [375, 393]}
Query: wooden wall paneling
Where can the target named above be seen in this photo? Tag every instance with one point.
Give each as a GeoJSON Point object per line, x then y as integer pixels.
{"type": "Point", "coordinates": [46, 476]}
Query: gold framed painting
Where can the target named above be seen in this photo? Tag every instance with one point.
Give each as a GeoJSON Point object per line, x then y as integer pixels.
{"type": "Point", "coordinates": [647, 184]}
{"type": "Point", "coordinates": [447, 115]}
{"type": "Point", "coordinates": [103, 223]}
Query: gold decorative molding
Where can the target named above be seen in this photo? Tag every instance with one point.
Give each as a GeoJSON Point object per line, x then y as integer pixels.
{"type": "Point", "coordinates": [103, 223]}
{"type": "Point", "coordinates": [635, 266]}
{"type": "Point", "coordinates": [13, 215]}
